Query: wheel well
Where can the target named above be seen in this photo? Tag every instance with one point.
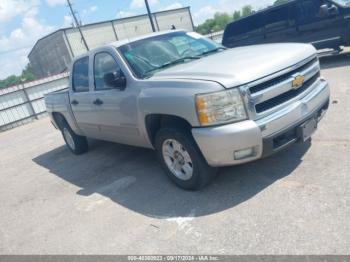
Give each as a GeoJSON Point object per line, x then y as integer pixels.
{"type": "Point", "coordinates": [59, 119]}
{"type": "Point", "coordinates": [155, 122]}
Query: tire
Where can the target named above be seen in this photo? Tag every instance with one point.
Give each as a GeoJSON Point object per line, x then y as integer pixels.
{"type": "Point", "coordinates": [75, 143]}
{"type": "Point", "coordinates": [185, 155]}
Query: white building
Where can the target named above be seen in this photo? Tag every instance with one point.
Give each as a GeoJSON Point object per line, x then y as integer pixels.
{"type": "Point", "coordinates": [53, 53]}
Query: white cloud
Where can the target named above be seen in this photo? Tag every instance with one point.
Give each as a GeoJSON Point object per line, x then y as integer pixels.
{"type": "Point", "coordinates": [90, 10]}
{"type": "Point", "coordinates": [56, 2]}
{"type": "Point", "coordinates": [12, 8]}
{"type": "Point", "coordinates": [67, 21]}
{"type": "Point", "coordinates": [93, 8]}
{"type": "Point", "coordinates": [172, 6]}
{"type": "Point", "coordinates": [16, 46]}
{"type": "Point", "coordinates": [141, 3]}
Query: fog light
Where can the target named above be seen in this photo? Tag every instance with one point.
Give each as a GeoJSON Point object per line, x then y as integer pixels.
{"type": "Point", "coordinates": [244, 153]}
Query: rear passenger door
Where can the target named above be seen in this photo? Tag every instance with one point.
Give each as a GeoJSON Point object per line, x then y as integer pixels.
{"type": "Point", "coordinates": [80, 97]}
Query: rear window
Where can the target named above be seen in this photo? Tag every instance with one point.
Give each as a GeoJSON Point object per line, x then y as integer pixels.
{"type": "Point", "coordinates": [81, 75]}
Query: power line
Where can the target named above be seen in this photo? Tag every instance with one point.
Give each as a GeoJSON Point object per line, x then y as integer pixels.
{"type": "Point", "coordinates": [77, 24]}
{"type": "Point", "coordinates": [4, 52]}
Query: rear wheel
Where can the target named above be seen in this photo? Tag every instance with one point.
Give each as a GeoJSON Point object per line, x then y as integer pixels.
{"type": "Point", "coordinates": [76, 144]}
{"type": "Point", "coordinates": [182, 160]}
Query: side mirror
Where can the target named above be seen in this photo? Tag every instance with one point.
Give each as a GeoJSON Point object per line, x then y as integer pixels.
{"type": "Point", "coordinates": [324, 11]}
{"type": "Point", "coordinates": [115, 80]}
{"type": "Point", "coordinates": [328, 10]}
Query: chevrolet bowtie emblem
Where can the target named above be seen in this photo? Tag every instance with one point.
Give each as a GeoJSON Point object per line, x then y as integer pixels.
{"type": "Point", "coordinates": [298, 81]}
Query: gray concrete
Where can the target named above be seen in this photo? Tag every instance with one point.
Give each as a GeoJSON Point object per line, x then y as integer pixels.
{"type": "Point", "coordinates": [116, 200]}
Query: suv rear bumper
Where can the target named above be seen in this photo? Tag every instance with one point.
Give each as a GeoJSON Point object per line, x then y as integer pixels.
{"type": "Point", "coordinates": [225, 145]}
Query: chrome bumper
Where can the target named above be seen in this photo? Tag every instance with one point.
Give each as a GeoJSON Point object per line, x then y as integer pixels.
{"type": "Point", "coordinates": [218, 144]}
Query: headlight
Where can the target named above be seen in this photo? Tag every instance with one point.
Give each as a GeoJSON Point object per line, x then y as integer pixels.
{"type": "Point", "coordinates": [220, 107]}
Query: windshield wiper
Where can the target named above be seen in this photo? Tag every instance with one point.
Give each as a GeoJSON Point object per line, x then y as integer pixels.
{"type": "Point", "coordinates": [180, 60]}
{"type": "Point", "coordinates": [213, 50]}
{"type": "Point", "coordinates": [174, 62]}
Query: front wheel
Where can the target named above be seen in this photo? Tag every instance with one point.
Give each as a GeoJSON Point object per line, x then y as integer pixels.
{"type": "Point", "coordinates": [182, 160]}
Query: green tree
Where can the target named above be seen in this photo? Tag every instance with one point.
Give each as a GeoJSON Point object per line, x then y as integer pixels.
{"type": "Point", "coordinates": [26, 75]}
{"type": "Point", "coordinates": [220, 20]}
{"type": "Point", "coordinates": [217, 23]}
{"type": "Point", "coordinates": [247, 10]}
{"type": "Point", "coordinates": [236, 15]}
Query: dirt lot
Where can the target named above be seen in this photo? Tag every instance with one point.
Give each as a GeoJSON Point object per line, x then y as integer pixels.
{"type": "Point", "coordinates": [116, 200]}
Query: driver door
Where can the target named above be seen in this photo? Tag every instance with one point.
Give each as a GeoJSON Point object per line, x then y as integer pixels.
{"type": "Point", "coordinates": [314, 27]}
{"type": "Point", "coordinates": [115, 106]}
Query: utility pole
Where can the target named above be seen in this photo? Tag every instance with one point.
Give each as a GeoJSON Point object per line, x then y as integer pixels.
{"type": "Point", "coordinates": [150, 15]}
{"type": "Point", "coordinates": [78, 25]}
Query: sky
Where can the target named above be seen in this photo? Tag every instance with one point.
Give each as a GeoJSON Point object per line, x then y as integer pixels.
{"type": "Point", "coordinates": [23, 22]}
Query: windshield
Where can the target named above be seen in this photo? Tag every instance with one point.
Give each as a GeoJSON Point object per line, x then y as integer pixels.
{"type": "Point", "coordinates": [149, 55]}
{"type": "Point", "coordinates": [345, 3]}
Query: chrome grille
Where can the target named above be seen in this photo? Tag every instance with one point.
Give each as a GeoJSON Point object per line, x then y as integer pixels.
{"type": "Point", "coordinates": [281, 78]}
{"type": "Point", "coordinates": [277, 91]}
{"type": "Point", "coordinates": [280, 99]}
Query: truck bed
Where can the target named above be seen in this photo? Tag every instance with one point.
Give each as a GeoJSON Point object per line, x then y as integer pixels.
{"type": "Point", "coordinates": [57, 101]}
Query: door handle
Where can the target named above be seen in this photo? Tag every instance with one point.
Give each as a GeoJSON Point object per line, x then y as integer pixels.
{"type": "Point", "coordinates": [74, 102]}
{"type": "Point", "coordinates": [98, 102]}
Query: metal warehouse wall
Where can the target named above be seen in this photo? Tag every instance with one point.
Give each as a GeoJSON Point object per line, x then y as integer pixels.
{"type": "Point", "coordinates": [54, 53]}
{"type": "Point", "coordinates": [131, 27]}
{"type": "Point", "coordinates": [107, 32]}
{"type": "Point", "coordinates": [50, 55]}
{"type": "Point", "coordinates": [180, 18]}
{"type": "Point", "coordinates": [95, 35]}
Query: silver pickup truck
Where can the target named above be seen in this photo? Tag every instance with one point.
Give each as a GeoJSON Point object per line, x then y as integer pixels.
{"type": "Point", "coordinates": [198, 104]}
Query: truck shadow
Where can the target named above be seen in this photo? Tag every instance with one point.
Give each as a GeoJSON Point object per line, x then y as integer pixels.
{"type": "Point", "coordinates": [132, 177]}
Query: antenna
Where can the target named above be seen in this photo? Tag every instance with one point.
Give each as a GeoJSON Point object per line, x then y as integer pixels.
{"type": "Point", "coordinates": [77, 24]}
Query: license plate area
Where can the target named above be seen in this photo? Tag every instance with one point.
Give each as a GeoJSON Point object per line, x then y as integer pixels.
{"type": "Point", "coordinates": [306, 129]}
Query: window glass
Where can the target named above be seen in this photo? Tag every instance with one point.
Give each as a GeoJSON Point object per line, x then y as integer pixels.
{"type": "Point", "coordinates": [245, 25]}
{"type": "Point", "coordinates": [308, 11]}
{"type": "Point", "coordinates": [183, 43]}
{"type": "Point", "coordinates": [149, 55]}
{"type": "Point", "coordinates": [104, 64]}
{"type": "Point", "coordinates": [81, 75]}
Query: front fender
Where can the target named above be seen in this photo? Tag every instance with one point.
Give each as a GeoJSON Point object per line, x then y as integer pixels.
{"type": "Point", "coordinates": [175, 98]}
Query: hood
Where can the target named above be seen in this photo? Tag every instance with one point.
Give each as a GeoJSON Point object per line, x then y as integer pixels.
{"type": "Point", "coordinates": [240, 65]}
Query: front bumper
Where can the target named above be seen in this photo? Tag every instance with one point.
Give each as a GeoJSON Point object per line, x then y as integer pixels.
{"type": "Point", "coordinates": [265, 136]}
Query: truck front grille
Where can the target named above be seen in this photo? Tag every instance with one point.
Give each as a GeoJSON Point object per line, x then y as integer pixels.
{"type": "Point", "coordinates": [280, 99]}
{"type": "Point", "coordinates": [278, 90]}
{"type": "Point", "coordinates": [281, 78]}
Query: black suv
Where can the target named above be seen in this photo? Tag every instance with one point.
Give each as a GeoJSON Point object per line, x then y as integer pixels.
{"type": "Point", "coordinates": [323, 23]}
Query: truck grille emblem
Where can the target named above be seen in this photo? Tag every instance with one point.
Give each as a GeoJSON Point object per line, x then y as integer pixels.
{"type": "Point", "coordinates": [298, 81]}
